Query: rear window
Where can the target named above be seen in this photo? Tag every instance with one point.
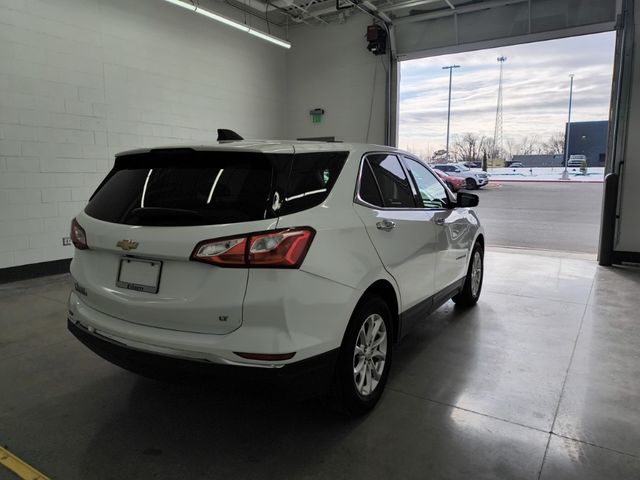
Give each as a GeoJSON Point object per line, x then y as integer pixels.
{"type": "Point", "coordinates": [311, 179]}
{"type": "Point", "coordinates": [185, 187]}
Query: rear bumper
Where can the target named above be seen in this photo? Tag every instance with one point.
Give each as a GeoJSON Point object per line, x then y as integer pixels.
{"type": "Point", "coordinates": [315, 372]}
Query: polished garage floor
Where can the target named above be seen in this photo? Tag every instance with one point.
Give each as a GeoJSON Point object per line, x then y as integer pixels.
{"type": "Point", "coordinates": [540, 380]}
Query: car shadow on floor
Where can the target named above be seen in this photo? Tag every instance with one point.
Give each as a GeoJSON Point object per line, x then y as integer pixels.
{"type": "Point", "coordinates": [219, 430]}
{"type": "Point", "coordinates": [448, 323]}
{"type": "Point", "coordinates": [212, 431]}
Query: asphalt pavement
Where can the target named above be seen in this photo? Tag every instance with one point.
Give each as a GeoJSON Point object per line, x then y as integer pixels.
{"type": "Point", "coordinates": [551, 216]}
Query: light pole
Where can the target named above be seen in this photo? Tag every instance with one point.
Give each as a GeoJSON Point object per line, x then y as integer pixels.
{"type": "Point", "coordinates": [450, 68]}
{"type": "Point", "coordinates": [565, 174]}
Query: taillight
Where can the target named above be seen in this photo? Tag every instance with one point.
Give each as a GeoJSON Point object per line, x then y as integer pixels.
{"type": "Point", "coordinates": [285, 249]}
{"type": "Point", "coordinates": [227, 252]}
{"type": "Point", "coordinates": [275, 249]}
{"type": "Point", "coordinates": [78, 237]}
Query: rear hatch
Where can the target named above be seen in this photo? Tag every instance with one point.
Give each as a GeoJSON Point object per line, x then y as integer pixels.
{"type": "Point", "coordinates": [146, 218]}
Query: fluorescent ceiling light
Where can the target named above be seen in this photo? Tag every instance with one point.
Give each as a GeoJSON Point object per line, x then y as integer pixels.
{"type": "Point", "coordinates": [232, 23]}
{"type": "Point", "coordinates": [180, 3]}
{"type": "Point", "coordinates": [225, 20]}
{"type": "Point", "coordinates": [270, 38]}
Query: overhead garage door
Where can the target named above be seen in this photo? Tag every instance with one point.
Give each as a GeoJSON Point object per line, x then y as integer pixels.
{"type": "Point", "coordinates": [470, 25]}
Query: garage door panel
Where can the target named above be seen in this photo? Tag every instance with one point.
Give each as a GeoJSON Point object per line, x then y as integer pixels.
{"type": "Point", "coordinates": [438, 33]}
{"type": "Point", "coordinates": [431, 33]}
{"type": "Point", "coordinates": [494, 23]}
{"type": "Point", "coordinates": [549, 15]}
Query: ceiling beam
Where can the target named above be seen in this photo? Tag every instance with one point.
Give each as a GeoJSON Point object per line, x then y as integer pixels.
{"type": "Point", "coordinates": [447, 13]}
{"type": "Point", "coordinates": [407, 4]}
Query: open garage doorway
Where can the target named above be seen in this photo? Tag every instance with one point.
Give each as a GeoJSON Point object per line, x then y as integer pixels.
{"type": "Point", "coordinates": [529, 202]}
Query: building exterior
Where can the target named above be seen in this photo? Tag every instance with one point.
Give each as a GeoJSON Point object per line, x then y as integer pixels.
{"type": "Point", "coordinates": [539, 160]}
{"type": "Point", "coordinates": [589, 139]}
{"type": "Point", "coordinates": [586, 138]}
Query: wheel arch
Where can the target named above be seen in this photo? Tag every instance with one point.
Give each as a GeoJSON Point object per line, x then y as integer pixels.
{"type": "Point", "coordinates": [384, 289]}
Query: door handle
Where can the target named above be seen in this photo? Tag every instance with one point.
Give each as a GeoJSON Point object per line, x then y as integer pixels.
{"type": "Point", "coordinates": [385, 225]}
{"type": "Point", "coordinates": [439, 221]}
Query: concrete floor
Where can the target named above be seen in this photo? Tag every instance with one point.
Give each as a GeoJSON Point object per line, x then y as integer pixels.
{"type": "Point", "coordinates": [552, 216]}
{"type": "Point", "coordinates": [540, 380]}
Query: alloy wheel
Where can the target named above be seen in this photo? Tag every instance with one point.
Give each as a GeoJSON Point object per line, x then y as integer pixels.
{"type": "Point", "coordinates": [476, 273]}
{"type": "Point", "coordinates": [370, 354]}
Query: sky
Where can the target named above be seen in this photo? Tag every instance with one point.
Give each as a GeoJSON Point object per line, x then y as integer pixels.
{"type": "Point", "coordinates": [535, 91]}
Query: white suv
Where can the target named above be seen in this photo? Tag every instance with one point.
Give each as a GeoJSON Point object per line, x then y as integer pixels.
{"type": "Point", "coordinates": [474, 178]}
{"type": "Point", "coordinates": [280, 258]}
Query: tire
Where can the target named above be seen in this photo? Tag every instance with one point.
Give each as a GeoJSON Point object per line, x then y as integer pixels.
{"type": "Point", "coordinates": [357, 393]}
{"type": "Point", "coordinates": [471, 184]}
{"type": "Point", "coordinates": [470, 292]}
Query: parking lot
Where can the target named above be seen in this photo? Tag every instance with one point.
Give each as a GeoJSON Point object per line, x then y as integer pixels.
{"type": "Point", "coordinates": [550, 216]}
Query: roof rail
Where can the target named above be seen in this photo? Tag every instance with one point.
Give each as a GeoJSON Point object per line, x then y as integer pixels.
{"type": "Point", "coordinates": [225, 135]}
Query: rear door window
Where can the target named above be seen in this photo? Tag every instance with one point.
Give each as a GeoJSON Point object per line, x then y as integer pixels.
{"type": "Point", "coordinates": [394, 187]}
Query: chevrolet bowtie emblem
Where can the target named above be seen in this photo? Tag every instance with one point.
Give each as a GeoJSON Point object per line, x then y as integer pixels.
{"type": "Point", "coordinates": [127, 245]}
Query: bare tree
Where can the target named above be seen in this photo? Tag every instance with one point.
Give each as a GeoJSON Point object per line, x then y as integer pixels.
{"type": "Point", "coordinates": [511, 147]}
{"type": "Point", "coordinates": [529, 146]}
{"type": "Point", "coordinates": [555, 144]}
{"type": "Point", "coordinates": [469, 147]}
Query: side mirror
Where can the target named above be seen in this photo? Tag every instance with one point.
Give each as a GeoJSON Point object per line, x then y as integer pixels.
{"type": "Point", "coordinates": [467, 200]}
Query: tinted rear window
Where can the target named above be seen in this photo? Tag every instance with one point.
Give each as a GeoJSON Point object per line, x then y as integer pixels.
{"type": "Point", "coordinates": [185, 187]}
{"type": "Point", "coordinates": [312, 178]}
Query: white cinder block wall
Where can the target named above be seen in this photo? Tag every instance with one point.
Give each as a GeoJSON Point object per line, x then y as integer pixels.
{"type": "Point", "coordinates": [330, 67]}
{"type": "Point", "coordinates": [83, 79]}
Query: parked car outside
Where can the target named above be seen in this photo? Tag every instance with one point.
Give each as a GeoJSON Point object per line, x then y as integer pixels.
{"type": "Point", "coordinates": [454, 183]}
{"type": "Point", "coordinates": [516, 165]}
{"type": "Point", "coordinates": [576, 161]}
{"type": "Point", "coordinates": [474, 178]}
{"type": "Point", "coordinates": [257, 256]}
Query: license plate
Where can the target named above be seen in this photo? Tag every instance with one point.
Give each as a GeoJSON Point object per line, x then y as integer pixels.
{"type": "Point", "coordinates": [140, 275]}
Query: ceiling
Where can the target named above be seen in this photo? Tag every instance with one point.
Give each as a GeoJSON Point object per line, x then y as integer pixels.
{"type": "Point", "coordinates": [432, 27]}
{"type": "Point", "coordinates": [316, 12]}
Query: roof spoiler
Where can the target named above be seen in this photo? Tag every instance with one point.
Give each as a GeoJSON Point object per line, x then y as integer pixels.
{"type": "Point", "coordinates": [225, 135]}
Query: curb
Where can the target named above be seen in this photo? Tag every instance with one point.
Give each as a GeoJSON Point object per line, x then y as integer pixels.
{"type": "Point", "coordinates": [548, 181]}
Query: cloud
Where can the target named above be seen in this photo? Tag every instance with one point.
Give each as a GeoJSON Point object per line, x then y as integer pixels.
{"type": "Point", "coordinates": [535, 90]}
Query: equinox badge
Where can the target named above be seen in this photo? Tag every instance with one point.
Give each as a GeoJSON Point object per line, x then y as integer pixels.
{"type": "Point", "coordinates": [127, 245]}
